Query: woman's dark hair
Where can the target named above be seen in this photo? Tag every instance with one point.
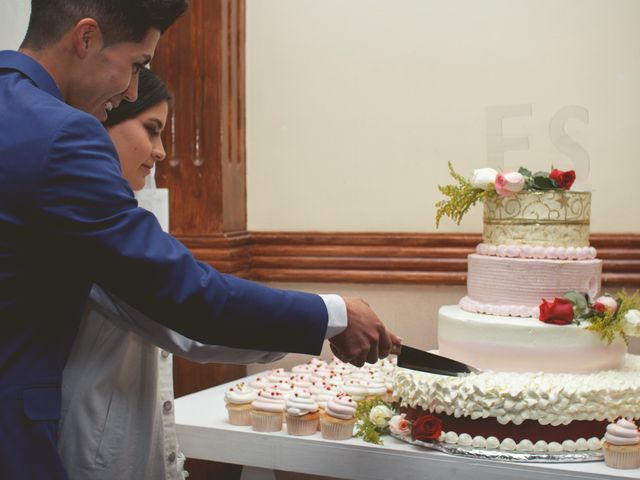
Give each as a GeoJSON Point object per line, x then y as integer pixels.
{"type": "Point", "coordinates": [119, 20]}
{"type": "Point", "coordinates": [151, 91]}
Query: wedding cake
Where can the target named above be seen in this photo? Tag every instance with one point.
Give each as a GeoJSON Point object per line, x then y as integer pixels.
{"type": "Point", "coordinates": [552, 353]}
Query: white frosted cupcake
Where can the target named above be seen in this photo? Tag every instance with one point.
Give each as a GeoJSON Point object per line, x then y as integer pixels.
{"type": "Point", "coordinates": [301, 380]}
{"type": "Point", "coordinates": [278, 375]}
{"type": "Point", "coordinates": [356, 388]}
{"type": "Point", "coordinates": [267, 411]}
{"type": "Point", "coordinates": [622, 445]}
{"type": "Point", "coordinates": [238, 401]}
{"type": "Point", "coordinates": [301, 413]}
{"type": "Point", "coordinates": [336, 423]}
{"type": "Point", "coordinates": [259, 383]}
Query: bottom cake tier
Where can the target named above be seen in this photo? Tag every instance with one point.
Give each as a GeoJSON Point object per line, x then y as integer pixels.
{"type": "Point", "coordinates": [537, 412]}
{"type": "Point", "coordinates": [510, 344]}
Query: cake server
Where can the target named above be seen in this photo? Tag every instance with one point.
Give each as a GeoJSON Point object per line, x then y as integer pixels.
{"type": "Point", "coordinates": [414, 359]}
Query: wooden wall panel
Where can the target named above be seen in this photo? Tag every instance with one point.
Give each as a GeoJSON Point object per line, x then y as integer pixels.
{"type": "Point", "coordinates": [401, 258]}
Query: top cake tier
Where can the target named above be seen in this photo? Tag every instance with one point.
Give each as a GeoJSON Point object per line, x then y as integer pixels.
{"type": "Point", "coordinates": [550, 218]}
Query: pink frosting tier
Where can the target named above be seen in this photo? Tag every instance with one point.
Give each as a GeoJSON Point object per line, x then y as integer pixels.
{"type": "Point", "coordinates": [524, 282]}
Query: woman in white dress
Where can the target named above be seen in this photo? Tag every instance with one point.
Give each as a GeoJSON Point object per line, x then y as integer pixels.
{"type": "Point", "coordinates": [117, 394]}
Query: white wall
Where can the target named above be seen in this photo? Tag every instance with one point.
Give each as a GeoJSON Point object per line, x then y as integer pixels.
{"type": "Point", "coordinates": [14, 18]}
{"type": "Point", "coordinates": [355, 106]}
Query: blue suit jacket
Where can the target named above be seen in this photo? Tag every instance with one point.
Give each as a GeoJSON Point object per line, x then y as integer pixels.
{"type": "Point", "coordinates": [68, 219]}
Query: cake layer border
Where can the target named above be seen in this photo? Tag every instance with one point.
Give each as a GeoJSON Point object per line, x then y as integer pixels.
{"type": "Point", "coordinates": [507, 456]}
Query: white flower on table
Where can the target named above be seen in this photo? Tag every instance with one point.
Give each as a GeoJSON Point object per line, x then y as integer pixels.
{"type": "Point", "coordinates": [380, 416]}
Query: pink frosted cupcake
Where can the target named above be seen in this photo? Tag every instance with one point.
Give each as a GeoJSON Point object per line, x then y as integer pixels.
{"type": "Point", "coordinates": [622, 445]}
{"type": "Point", "coordinates": [267, 411]}
{"type": "Point", "coordinates": [336, 423]}
{"type": "Point", "coordinates": [301, 413]}
{"type": "Point", "coordinates": [238, 402]}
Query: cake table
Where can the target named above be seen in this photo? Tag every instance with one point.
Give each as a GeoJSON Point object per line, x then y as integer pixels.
{"type": "Point", "coordinates": [204, 433]}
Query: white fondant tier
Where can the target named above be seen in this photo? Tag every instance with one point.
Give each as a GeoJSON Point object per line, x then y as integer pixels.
{"type": "Point", "coordinates": [508, 344]}
{"type": "Point", "coordinates": [526, 281]}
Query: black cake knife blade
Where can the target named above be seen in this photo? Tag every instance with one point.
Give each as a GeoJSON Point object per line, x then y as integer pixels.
{"type": "Point", "coordinates": [414, 359]}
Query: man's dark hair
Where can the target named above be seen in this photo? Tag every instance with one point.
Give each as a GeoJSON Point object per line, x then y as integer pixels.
{"type": "Point", "coordinates": [151, 92]}
{"type": "Point", "coordinates": [119, 20]}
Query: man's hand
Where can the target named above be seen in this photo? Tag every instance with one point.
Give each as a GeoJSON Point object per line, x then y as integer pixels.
{"type": "Point", "coordinates": [365, 339]}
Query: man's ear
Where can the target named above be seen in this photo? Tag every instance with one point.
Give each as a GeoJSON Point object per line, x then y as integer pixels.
{"type": "Point", "coordinates": [87, 36]}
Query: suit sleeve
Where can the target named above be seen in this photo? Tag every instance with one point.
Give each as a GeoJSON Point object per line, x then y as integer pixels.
{"type": "Point", "coordinates": [120, 313]}
{"type": "Point", "coordinates": [93, 223]}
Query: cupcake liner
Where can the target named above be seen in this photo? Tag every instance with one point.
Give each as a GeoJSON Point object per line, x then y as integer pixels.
{"type": "Point", "coordinates": [266, 421]}
{"type": "Point", "coordinates": [623, 457]}
{"type": "Point", "coordinates": [302, 425]}
{"type": "Point", "coordinates": [239, 414]}
{"type": "Point", "coordinates": [336, 430]}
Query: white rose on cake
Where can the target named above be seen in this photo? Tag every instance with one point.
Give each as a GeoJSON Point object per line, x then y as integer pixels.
{"type": "Point", "coordinates": [483, 178]}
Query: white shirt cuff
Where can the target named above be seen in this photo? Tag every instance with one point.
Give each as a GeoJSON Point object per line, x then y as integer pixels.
{"type": "Point", "coordinates": [337, 315]}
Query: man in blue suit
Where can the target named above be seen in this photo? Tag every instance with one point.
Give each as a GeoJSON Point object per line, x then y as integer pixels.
{"type": "Point", "coordinates": [68, 219]}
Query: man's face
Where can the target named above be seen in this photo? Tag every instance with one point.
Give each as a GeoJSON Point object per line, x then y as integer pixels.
{"type": "Point", "coordinates": [109, 75]}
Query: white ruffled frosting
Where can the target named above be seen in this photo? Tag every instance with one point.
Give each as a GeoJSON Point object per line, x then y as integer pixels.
{"type": "Point", "coordinates": [622, 432]}
{"type": "Point", "coordinates": [301, 402]}
{"type": "Point", "coordinates": [341, 406]}
{"type": "Point", "coordinates": [551, 399]}
{"type": "Point", "coordinates": [240, 394]}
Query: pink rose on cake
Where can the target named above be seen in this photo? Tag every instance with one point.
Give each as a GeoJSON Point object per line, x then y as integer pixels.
{"type": "Point", "coordinates": [558, 312]}
{"type": "Point", "coordinates": [508, 184]}
{"type": "Point", "coordinates": [399, 425]}
{"type": "Point", "coordinates": [605, 303]}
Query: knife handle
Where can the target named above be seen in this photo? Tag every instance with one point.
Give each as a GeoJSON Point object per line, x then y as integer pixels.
{"type": "Point", "coordinates": [396, 348]}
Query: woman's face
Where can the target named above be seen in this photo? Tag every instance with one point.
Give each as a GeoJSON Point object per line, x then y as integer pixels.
{"type": "Point", "coordinates": [139, 144]}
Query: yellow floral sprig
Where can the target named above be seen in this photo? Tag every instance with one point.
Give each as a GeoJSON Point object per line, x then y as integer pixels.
{"type": "Point", "coordinates": [461, 198]}
{"type": "Point", "coordinates": [612, 323]}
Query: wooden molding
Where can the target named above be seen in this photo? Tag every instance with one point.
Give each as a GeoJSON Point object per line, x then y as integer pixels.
{"type": "Point", "coordinates": [201, 59]}
{"type": "Point", "coordinates": [397, 258]}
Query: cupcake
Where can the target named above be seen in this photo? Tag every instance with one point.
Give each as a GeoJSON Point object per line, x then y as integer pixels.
{"type": "Point", "coordinates": [336, 423]}
{"type": "Point", "coordinates": [259, 383]}
{"type": "Point", "coordinates": [301, 413]}
{"type": "Point", "coordinates": [267, 411]}
{"type": "Point", "coordinates": [622, 445]}
{"type": "Point", "coordinates": [238, 402]}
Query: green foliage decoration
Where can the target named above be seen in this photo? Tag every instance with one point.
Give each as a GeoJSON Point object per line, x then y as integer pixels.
{"type": "Point", "coordinates": [461, 198]}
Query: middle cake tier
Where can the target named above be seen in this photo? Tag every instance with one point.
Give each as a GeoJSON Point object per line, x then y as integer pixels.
{"type": "Point", "coordinates": [516, 286]}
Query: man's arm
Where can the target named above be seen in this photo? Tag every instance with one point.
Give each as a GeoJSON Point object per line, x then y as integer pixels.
{"type": "Point", "coordinates": [128, 318]}
{"type": "Point", "coordinates": [88, 214]}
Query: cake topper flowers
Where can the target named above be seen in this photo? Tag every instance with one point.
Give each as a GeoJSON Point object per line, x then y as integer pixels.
{"type": "Point", "coordinates": [606, 315]}
{"type": "Point", "coordinates": [488, 182]}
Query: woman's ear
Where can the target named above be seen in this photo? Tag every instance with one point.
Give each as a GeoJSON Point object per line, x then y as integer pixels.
{"type": "Point", "coordinates": [87, 37]}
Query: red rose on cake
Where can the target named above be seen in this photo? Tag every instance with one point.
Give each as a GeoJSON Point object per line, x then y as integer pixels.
{"type": "Point", "coordinates": [562, 179]}
{"type": "Point", "coordinates": [427, 427]}
{"type": "Point", "coordinates": [558, 312]}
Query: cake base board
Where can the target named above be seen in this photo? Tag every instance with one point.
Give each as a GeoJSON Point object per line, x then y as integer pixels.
{"type": "Point", "coordinates": [505, 456]}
